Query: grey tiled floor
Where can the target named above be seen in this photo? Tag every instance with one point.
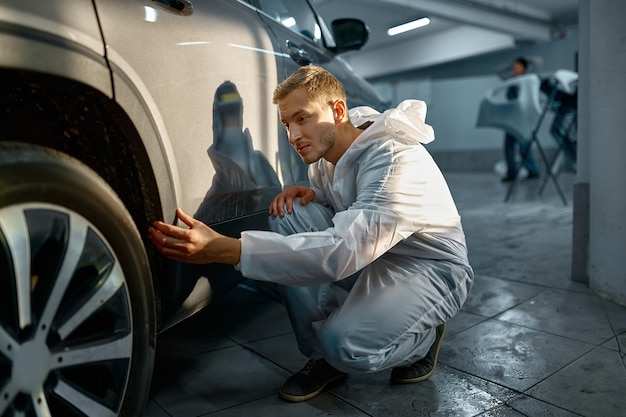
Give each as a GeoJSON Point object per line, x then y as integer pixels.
{"type": "Point", "coordinates": [528, 342]}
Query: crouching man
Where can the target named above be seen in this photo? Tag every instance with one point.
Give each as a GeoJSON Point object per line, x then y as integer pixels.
{"type": "Point", "coordinates": [371, 258]}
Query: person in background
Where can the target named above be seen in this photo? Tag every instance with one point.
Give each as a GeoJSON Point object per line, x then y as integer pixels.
{"type": "Point", "coordinates": [511, 144]}
{"type": "Point", "coordinates": [370, 259]}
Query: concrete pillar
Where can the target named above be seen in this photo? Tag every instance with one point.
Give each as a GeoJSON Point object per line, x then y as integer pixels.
{"type": "Point", "coordinates": [580, 236]}
{"type": "Point", "coordinates": [607, 147]}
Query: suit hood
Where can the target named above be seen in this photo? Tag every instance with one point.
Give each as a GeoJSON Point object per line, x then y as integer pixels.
{"type": "Point", "coordinates": [406, 122]}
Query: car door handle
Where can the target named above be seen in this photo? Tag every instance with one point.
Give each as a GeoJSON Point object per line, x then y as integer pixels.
{"type": "Point", "coordinates": [182, 7]}
{"type": "Point", "coordinates": [298, 54]}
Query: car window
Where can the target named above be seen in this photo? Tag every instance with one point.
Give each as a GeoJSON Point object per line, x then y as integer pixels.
{"type": "Point", "coordinates": [296, 15]}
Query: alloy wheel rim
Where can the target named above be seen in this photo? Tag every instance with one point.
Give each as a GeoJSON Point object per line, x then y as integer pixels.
{"type": "Point", "coordinates": [66, 323]}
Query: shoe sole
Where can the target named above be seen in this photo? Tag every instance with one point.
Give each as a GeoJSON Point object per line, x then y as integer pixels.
{"type": "Point", "coordinates": [432, 371]}
{"type": "Point", "coordinates": [300, 398]}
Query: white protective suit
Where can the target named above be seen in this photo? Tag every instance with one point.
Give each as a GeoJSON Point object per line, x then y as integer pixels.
{"type": "Point", "coordinates": [383, 227]}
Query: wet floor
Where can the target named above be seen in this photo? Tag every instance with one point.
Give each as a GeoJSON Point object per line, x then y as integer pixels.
{"type": "Point", "coordinates": [528, 342]}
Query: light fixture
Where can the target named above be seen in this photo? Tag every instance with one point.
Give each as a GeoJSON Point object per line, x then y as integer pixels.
{"type": "Point", "coordinates": [405, 27]}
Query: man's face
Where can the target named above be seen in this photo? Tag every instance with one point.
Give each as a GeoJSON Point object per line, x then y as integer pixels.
{"type": "Point", "coordinates": [518, 68]}
{"type": "Point", "coordinates": [310, 126]}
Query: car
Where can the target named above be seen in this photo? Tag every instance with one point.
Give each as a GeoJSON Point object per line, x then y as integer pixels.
{"type": "Point", "coordinates": [113, 114]}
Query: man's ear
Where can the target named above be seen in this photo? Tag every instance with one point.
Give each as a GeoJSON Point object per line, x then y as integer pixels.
{"type": "Point", "coordinates": [340, 111]}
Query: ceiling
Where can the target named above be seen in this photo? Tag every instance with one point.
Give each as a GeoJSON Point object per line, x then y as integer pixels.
{"type": "Point", "coordinates": [458, 28]}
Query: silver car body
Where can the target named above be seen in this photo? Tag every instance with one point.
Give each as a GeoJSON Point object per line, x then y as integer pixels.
{"type": "Point", "coordinates": [124, 110]}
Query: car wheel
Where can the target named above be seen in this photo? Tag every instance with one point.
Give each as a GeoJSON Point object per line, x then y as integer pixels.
{"type": "Point", "coordinates": [77, 319]}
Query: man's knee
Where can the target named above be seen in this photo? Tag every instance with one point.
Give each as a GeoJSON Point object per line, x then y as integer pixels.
{"type": "Point", "coordinates": [344, 352]}
{"type": "Point", "coordinates": [311, 217]}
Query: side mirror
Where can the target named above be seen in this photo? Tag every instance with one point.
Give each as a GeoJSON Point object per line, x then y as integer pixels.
{"type": "Point", "coordinates": [349, 34]}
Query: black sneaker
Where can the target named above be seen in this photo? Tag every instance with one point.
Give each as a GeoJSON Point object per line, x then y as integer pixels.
{"type": "Point", "coordinates": [310, 381]}
{"type": "Point", "coordinates": [423, 369]}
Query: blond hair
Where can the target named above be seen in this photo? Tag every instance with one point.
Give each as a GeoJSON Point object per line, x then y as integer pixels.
{"type": "Point", "coordinates": [320, 85]}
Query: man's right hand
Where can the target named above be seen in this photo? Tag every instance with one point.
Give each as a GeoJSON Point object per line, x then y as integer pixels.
{"type": "Point", "coordinates": [286, 198]}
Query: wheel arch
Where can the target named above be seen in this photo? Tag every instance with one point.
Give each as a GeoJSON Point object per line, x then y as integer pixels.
{"type": "Point", "coordinates": [80, 121]}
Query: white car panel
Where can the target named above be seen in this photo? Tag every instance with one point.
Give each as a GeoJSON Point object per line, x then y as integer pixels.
{"type": "Point", "coordinates": [54, 36]}
{"type": "Point", "coordinates": [181, 108]}
{"type": "Point", "coordinates": [114, 113]}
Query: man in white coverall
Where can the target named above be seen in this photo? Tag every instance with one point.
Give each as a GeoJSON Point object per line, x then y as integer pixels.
{"type": "Point", "coordinates": [372, 257]}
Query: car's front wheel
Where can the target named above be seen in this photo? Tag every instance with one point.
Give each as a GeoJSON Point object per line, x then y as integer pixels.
{"type": "Point", "coordinates": [76, 303]}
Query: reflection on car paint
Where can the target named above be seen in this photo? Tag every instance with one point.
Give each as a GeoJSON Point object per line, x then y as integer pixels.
{"type": "Point", "coordinates": [265, 51]}
{"type": "Point", "coordinates": [244, 179]}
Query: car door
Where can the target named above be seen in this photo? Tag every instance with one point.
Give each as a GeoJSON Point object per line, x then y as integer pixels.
{"type": "Point", "coordinates": [205, 79]}
{"type": "Point", "coordinates": [196, 78]}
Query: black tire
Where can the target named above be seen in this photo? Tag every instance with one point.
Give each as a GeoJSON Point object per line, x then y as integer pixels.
{"type": "Point", "coordinates": [77, 320]}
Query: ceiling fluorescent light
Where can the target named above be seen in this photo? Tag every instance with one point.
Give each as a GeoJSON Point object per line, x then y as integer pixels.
{"type": "Point", "coordinates": [408, 26]}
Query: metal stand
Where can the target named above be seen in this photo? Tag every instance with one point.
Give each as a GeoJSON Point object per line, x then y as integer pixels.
{"type": "Point", "coordinates": [534, 140]}
{"type": "Point", "coordinates": [564, 126]}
